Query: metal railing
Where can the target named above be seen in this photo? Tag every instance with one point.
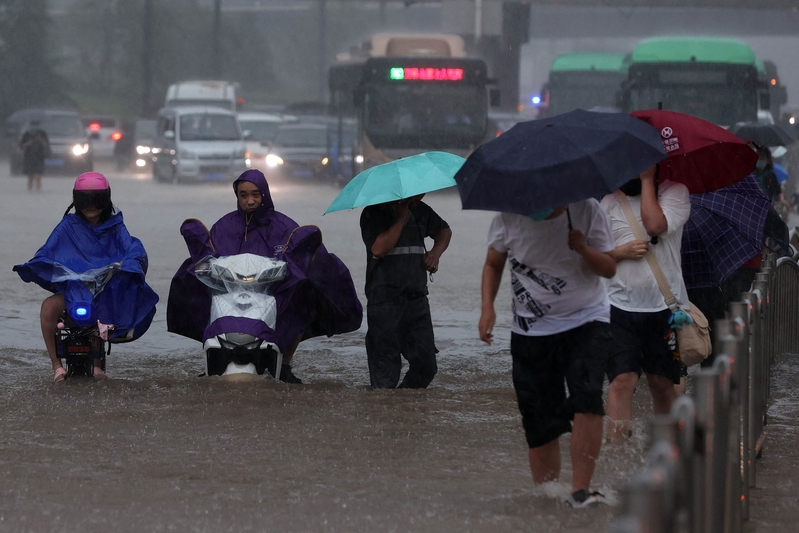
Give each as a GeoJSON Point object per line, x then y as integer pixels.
{"type": "Point", "coordinates": [701, 460]}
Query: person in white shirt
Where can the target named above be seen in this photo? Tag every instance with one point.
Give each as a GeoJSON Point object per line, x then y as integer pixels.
{"type": "Point", "coordinates": [643, 338]}
{"type": "Point", "coordinates": [560, 331]}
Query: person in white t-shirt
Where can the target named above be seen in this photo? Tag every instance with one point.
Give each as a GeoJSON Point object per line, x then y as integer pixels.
{"type": "Point", "coordinates": [643, 338]}
{"type": "Point", "coordinates": [560, 331]}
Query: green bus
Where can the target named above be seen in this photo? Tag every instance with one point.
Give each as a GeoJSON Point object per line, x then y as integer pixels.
{"type": "Point", "coordinates": [717, 79]}
{"type": "Point", "coordinates": [583, 81]}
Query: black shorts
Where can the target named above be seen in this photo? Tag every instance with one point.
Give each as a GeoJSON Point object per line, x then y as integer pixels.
{"type": "Point", "coordinates": [540, 365]}
{"type": "Point", "coordinates": [643, 342]}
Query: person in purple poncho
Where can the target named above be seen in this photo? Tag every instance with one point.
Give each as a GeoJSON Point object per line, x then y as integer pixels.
{"type": "Point", "coordinates": [317, 297]}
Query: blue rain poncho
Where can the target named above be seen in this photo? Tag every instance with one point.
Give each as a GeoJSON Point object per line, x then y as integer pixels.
{"type": "Point", "coordinates": [76, 247]}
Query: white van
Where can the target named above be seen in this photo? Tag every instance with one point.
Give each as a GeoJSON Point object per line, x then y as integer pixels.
{"type": "Point", "coordinates": [222, 94]}
{"type": "Point", "coordinates": [198, 144]}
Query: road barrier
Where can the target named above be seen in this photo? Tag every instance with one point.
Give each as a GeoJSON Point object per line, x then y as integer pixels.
{"type": "Point", "coordinates": [701, 460]}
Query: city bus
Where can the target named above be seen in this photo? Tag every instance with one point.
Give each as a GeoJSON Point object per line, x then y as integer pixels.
{"type": "Point", "coordinates": [717, 79]}
{"type": "Point", "coordinates": [582, 81]}
{"type": "Point", "coordinates": [411, 94]}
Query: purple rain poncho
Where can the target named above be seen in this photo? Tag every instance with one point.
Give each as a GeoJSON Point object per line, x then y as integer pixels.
{"type": "Point", "coordinates": [126, 301]}
{"type": "Point", "coordinates": [317, 297]}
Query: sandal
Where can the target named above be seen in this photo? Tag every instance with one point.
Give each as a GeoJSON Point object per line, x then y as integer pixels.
{"type": "Point", "coordinates": [59, 375]}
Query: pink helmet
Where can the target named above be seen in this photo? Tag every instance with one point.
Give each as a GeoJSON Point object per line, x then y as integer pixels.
{"type": "Point", "coordinates": [91, 181]}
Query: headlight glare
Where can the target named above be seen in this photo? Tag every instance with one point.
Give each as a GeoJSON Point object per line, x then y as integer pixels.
{"type": "Point", "coordinates": [273, 160]}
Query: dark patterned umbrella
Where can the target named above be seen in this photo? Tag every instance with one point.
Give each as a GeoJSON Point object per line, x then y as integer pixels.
{"type": "Point", "coordinates": [724, 231]}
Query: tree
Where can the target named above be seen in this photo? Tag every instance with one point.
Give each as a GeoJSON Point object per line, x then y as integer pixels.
{"type": "Point", "coordinates": [26, 65]}
{"type": "Point", "coordinates": [105, 40]}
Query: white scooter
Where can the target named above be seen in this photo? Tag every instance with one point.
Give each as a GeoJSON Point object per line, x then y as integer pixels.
{"type": "Point", "coordinates": [241, 288]}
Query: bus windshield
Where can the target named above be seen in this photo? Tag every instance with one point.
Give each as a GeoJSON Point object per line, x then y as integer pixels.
{"type": "Point", "coordinates": [582, 90]}
{"type": "Point", "coordinates": [426, 115]}
{"type": "Point", "coordinates": [716, 95]}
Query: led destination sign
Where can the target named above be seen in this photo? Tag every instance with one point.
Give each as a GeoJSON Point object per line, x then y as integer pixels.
{"type": "Point", "coordinates": [425, 74]}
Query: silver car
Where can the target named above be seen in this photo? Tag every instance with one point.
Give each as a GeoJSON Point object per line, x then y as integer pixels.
{"type": "Point", "coordinates": [198, 144]}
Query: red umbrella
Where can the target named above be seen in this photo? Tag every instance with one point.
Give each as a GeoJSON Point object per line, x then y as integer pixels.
{"type": "Point", "coordinates": [703, 156]}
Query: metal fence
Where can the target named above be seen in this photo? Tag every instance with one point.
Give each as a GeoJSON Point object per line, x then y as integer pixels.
{"type": "Point", "coordinates": [701, 461]}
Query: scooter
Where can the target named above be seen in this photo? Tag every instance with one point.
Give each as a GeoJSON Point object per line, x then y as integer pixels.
{"type": "Point", "coordinates": [80, 339]}
{"type": "Point", "coordinates": [241, 287]}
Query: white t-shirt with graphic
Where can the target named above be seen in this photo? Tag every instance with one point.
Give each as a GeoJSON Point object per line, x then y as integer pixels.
{"type": "Point", "coordinates": [634, 288]}
{"type": "Point", "coordinates": [554, 290]}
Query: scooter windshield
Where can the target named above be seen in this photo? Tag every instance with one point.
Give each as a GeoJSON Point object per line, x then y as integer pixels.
{"type": "Point", "coordinates": [241, 285]}
{"type": "Point", "coordinates": [94, 279]}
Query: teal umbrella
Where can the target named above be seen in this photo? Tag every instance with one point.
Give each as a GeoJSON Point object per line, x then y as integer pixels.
{"type": "Point", "coordinates": [396, 180]}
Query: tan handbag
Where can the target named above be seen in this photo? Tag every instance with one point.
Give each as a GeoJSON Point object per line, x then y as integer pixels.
{"type": "Point", "coordinates": [693, 340]}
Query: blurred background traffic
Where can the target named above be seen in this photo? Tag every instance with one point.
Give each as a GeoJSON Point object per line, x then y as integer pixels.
{"type": "Point", "coordinates": [318, 90]}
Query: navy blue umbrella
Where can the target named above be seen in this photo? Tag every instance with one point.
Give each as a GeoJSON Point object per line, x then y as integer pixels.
{"type": "Point", "coordinates": [545, 163]}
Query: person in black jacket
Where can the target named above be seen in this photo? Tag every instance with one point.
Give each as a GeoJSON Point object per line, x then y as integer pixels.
{"type": "Point", "coordinates": [397, 311]}
{"type": "Point", "coordinates": [35, 149]}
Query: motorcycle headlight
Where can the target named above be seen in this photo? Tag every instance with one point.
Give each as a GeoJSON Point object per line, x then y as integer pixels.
{"type": "Point", "coordinates": [359, 159]}
{"type": "Point", "coordinates": [143, 149]}
{"type": "Point", "coordinates": [81, 313]}
{"type": "Point", "coordinates": [80, 149]}
{"type": "Point", "coordinates": [273, 160]}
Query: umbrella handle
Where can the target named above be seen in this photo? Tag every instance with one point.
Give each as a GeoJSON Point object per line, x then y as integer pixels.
{"type": "Point", "coordinates": [569, 216]}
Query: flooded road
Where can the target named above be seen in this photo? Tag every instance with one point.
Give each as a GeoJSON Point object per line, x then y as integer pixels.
{"type": "Point", "coordinates": [156, 448]}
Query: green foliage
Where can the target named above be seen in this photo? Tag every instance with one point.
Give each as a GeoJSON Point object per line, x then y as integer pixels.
{"type": "Point", "coordinates": [27, 76]}
{"type": "Point", "coordinates": [105, 40]}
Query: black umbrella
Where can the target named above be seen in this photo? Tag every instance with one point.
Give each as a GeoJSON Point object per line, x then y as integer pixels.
{"type": "Point", "coordinates": [545, 163]}
{"type": "Point", "coordinates": [763, 134]}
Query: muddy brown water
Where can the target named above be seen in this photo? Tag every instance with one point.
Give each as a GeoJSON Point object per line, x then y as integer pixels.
{"type": "Point", "coordinates": [156, 448]}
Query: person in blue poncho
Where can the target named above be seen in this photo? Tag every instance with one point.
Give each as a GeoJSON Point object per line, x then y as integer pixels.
{"type": "Point", "coordinates": [93, 237]}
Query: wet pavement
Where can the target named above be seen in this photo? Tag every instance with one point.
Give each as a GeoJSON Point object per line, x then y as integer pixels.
{"type": "Point", "coordinates": [156, 448]}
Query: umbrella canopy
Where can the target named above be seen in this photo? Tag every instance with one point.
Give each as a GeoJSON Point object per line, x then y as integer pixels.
{"type": "Point", "coordinates": [399, 179]}
{"type": "Point", "coordinates": [703, 156]}
{"type": "Point", "coordinates": [781, 172]}
{"type": "Point", "coordinates": [545, 163]}
{"type": "Point", "coordinates": [763, 134]}
{"type": "Point", "coordinates": [724, 231]}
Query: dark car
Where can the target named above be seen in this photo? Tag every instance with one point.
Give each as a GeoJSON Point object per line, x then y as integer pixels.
{"type": "Point", "coordinates": [136, 145]}
{"type": "Point", "coordinates": [70, 152]}
{"type": "Point", "coordinates": [299, 151]}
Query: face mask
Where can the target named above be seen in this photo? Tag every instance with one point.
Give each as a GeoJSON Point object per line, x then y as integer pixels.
{"type": "Point", "coordinates": [761, 164]}
{"type": "Point", "coordinates": [541, 215]}
{"type": "Point", "coordinates": [632, 187]}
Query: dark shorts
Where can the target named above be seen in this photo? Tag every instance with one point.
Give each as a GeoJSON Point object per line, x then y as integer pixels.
{"type": "Point", "coordinates": [643, 342]}
{"type": "Point", "coordinates": [540, 366]}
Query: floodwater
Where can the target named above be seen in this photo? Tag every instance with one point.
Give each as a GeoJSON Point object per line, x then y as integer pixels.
{"type": "Point", "coordinates": [156, 448]}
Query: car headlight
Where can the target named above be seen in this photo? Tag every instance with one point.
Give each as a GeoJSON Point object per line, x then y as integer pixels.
{"type": "Point", "coordinates": [187, 154]}
{"type": "Point", "coordinates": [325, 161]}
{"type": "Point", "coordinates": [80, 149]}
{"type": "Point", "coordinates": [273, 160]}
{"type": "Point", "coordinates": [143, 149]}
